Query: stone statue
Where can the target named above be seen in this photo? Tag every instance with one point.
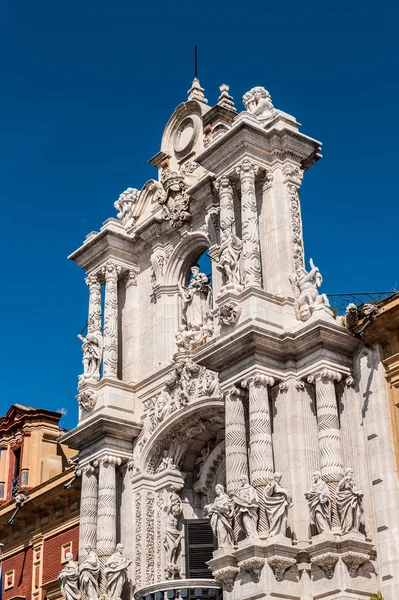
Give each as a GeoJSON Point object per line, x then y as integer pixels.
{"type": "Point", "coordinates": [246, 508]}
{"type": "Point", "coordinates": [116, 573]}
{"type": "Point", "coordinates": [69, 579]}
{"type": "Point", "coordinates": [228, 259]}
{"type": "Point", "coordinates": [166, 462]}
{"type": "Point", "coordinates": [258, 102]}
{"type": "Point", "coordinates": [88, 574]}
{"type": "Point", "coordinates": [277, 502]}
{"type": "Point", "coordinates": [305, 286]}
{"type": "Point", "coordinates": [200, 461]}
{"type": "Point", "coordinates": [320, 506]}
{"type": "Point", "coordinates": [196, 299]}
{"type": "Point", "coordinates": [172, 539]}
{"type": "Point", "coordinates": [92, 348]}
{"type": "Point", "coordinates": [349, 503]}
{"type": "Point", "coordinates": [221, 514]}
{"type": "Point", "coordinates": [125, 204]}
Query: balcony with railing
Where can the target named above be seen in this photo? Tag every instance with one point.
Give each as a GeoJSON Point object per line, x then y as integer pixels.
{"type": "Point", "coordinates": [181, 589]}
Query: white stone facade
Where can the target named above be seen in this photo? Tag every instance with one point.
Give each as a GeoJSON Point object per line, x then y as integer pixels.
{"type": "Point", "coordinates": [237, 397]}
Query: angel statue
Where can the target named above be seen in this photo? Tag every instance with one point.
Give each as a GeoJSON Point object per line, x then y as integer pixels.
{"type": "Point", "coordinates": [258, 102]}
{"type": "Point", "coordinates": [305, 286]}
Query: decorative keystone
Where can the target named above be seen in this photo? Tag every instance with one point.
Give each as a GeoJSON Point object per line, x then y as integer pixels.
{"type": "Point", "coordinates": [253, 566]}
{"type": "Point", "coordinates": [227, 576]}
{"type": "Point", "coordinates": [354, 560]}
{"type": "Point", "coordinates": [326, 562]}
{"type": "Point", "coordinates": [280, 564]}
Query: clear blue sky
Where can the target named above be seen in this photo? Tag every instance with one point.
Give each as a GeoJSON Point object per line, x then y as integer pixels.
{"type": "Point", "coordinates": [87, 87]}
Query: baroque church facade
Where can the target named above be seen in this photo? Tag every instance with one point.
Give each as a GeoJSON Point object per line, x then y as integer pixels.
{"type": "Point", "coordinates": [234, 436]}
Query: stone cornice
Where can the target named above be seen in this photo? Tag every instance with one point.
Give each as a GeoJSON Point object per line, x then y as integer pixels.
{"type": "Point", "coordinates": [97, 249]}
{"type": "Point", "coordinates": [99, 427]}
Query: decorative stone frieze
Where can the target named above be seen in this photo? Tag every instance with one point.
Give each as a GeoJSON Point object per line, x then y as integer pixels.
{"type": "Point", "coordinates": [354, 560]}
{"type": "Point", "coordinates": [280, 564]}
{"type": "Point", "coordinates": [227, 576]}
{"type": "Point", "coordinates": [293, 177]}
{"type": "Point", "coordinates": [327, 562]}
{"type": "Point", "coordinates": [253, 566]}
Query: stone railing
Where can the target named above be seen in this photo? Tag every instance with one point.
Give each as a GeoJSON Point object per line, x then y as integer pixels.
{"type": "Point", "coordinates": [186, 589]}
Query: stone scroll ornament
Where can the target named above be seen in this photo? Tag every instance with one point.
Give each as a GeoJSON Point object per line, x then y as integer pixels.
{"type": "Point", "coordinates": [258, 102]}
{"type": "Point", "coordinates": [174, 200]}
{"type": "Point", "coordinates": [173, 535]}
{"type": "Point", "coordinates": [305, 286]}
{"type": "Point", "coordinates": [116, 573]}
{"type": "Point", "coordinates": [89, 571]}
{"type": "Point", "coordinates": [320, 504]}
{"type": "Point", "coordinates": [349, 504]}
{"type": "Point", "coordinates": [69, 579]}
{"type": "Point", "coordinates": [124, 205]}
{"type": "Point", "coordinates": [197, 321]}
{"type": "Point", "coordinates": [246, 508]}
{"type": "Point", "coordinates": [221, 513]}
{"type": "Point", "coordinates": [277, 501]}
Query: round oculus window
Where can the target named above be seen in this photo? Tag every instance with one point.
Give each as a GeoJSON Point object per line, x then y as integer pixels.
{"type": "Point", "coordinates": [186, 136]}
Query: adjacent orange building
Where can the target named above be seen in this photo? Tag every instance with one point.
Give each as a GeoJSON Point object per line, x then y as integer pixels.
{"type": "Point", "coordinates": [39, 503]}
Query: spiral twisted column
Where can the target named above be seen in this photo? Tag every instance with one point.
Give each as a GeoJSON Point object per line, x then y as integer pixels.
{"type": "Point", "coordinates": [250, 230]}
{"type": "Point", "coordinates": [261, 464]}
{"type": "Point", "coordinates": [88, 508]}
{"type": "Point", "coordinates": [236, 443]}
{"type": "Point", "coordinates": [110, 364]}
{"type": "Point", "coordinates": [225, 190]}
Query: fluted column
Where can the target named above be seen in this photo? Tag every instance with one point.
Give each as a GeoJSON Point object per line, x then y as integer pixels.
{"type": "Point", "coordinates": [106, 517]}
{"type": "Point", "coordinates": [331, 464]}
{"type": "Point", "coordinates": [110, 365]}
{"type": "Point", "coordinates": [236, 443]}
{"type": "Point", "coordinates": [226, 196]}
{"type": "Point", "coordinates": [88, 509]}
{"type": "Point", "coordinates": [261, 464]}
{"type": "Point", "coordinates": [250, 230]}
{"type": "Point", "coordinates": [94, 320]}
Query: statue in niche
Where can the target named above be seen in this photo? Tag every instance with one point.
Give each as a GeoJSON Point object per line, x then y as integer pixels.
{"type": "Point", "coordinates": [69, 579]}
{"type": "Point", "coordinates": [175, 200]}
{"type": "Point", "coordinates": [221, 513]}
{"type": "Point", "coordinates": [258, 102]}
{"type": "Point", "coordinates": [196, 299]}
{"type": "Point", "coordinates": [88, 574]}
{"type": "Point", "coordinates": [277, 503]}
{"type": "Point", "coordinates": [246, 508]}
{"type": "Point", "coordinates": [228, 259]}
{"type": "Point", "coordinates": [349, 503]}
{"type": "Point", "coordinates": [200, 461]}
{"type": "Point", "coordinates": [173, 534]}
{"type": "Point", "coordinates": [320, 505]}
{"type": "Point", "coordinates": [124, 205]}
{"type": "Point", "coordinates": [116, 573]}
{"type": "Point", "coordinates": [305, 286]}
{"type": "Point", "coordinates": [166, 462]}
{"type": "Point", "coordinates": [92, 349]}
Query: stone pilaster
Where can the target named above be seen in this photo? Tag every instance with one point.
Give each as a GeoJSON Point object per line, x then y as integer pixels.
{"type": "Point", "coordinates": [106, 516]}
{"type": "Point", "coordinates": [226, 196]}
{"type": "Point", "coordinates": [261, 465]}
{"type": "Point", "coordinates": [250, 230]}
{"type": "Point", "coordinates": [110, 363]}
{"type": "Point", "coordinates": [88, 509]}
{"type": "Point", "coordinates": [236, 445]}
{"type": "Point", "coordinates": [94, 320]}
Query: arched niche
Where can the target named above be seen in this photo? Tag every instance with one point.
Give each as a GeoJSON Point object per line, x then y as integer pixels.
{"type": "Point", "coordinates": [184, 256]}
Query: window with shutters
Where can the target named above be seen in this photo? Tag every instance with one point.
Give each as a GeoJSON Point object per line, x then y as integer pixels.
{"type": "Point", "coordinates": [199, 548]}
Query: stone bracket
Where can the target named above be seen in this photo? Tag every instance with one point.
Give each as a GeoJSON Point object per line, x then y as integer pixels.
{"type": "Point", "coordinates": [253, 566]}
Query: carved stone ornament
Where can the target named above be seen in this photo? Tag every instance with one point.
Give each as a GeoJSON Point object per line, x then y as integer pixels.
{"type": "Point", "coordinates": [253, 566]}
{"type": "Point", "coordinates": [326, 562]}
{"type": "Point", "coordinates": [229, 313]}
{"type": "Point", "coordinates": [87, 399]}
{"type": "Point", "coordinates": [175, 200]}
{"type": "Point", "coordinates": [354, 560]}
{"type": "Point", "coordinates": [124, 205]}
{"type": "Point", "coordinates": [227, 576]}
{"type": "Point", "coordinates": [197, 319]}
{"type": "Point", "coordinates": [280, 564]}
{"type": "Point", "coordinates": [305, 286]}
{"type": "Point", "coordinates": [258, 102]}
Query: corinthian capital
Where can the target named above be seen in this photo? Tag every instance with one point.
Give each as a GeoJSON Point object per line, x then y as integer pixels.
{"type": "Point", "coordinates": [223, 184]}
{"type": "Point", "coordinates": [93, 280]}
{"type": "Point", "coordinates": [111, 271]}
{"type": "Point", "coordinates": [246, 168]}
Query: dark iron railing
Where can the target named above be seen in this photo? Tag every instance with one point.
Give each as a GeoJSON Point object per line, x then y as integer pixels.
{"type": "Point", "coordinates": [339, 302]}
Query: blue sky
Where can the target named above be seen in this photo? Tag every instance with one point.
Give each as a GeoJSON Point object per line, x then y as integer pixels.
{"type": "Point", "coordinates": [87, 88]}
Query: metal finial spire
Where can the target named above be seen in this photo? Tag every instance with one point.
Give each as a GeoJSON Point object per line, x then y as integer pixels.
{"type": "Point", "coordinates": [195, 62]}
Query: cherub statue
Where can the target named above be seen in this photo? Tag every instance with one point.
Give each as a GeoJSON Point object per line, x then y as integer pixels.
{"type": "Point", "coordinates": [305, 286]}
{"type": "Point", "coordinates": [125, 204]}
{"type": "Point", "coordinates": [258, 102]}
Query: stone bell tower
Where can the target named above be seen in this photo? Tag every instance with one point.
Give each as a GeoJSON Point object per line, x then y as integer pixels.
{"type": "Point", "coordinates": [233, 436]}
